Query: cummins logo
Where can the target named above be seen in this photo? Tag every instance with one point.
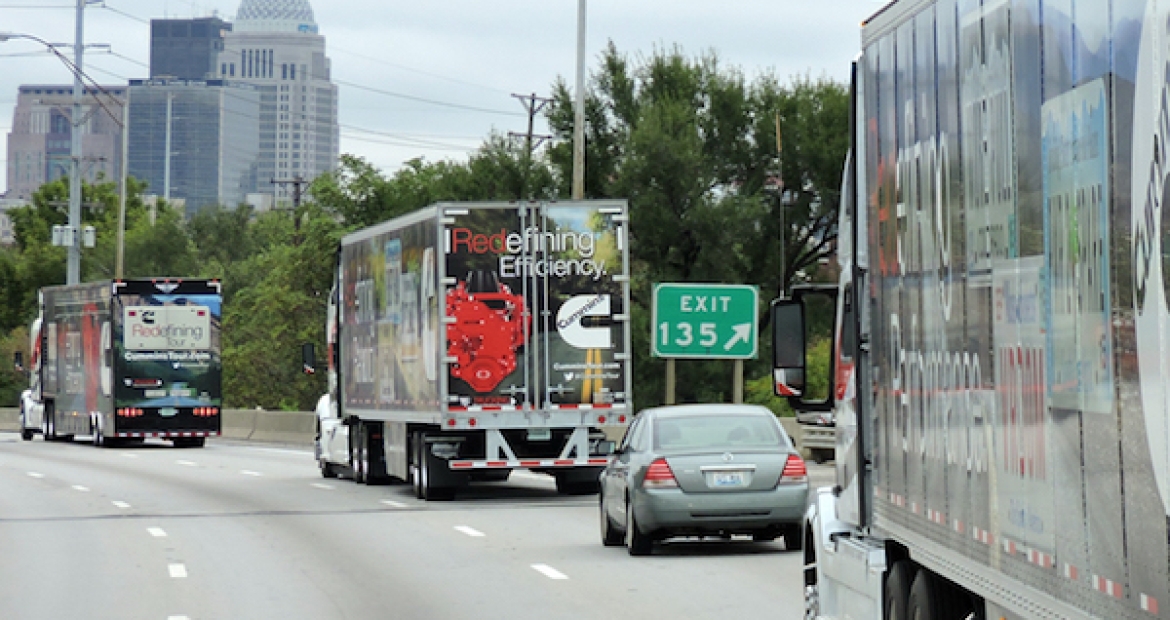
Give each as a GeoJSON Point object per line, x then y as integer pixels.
{"type": "Point", "coordinates": [576, 334]}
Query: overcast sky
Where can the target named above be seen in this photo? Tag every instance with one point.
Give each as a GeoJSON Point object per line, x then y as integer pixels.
{"type": "Point", "coordinates": [447, 69]}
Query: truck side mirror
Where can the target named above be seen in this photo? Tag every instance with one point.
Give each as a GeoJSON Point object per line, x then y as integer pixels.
{"type": "Point", "coordinates": [308, 358]}
{"type": "Point", "coordinates": [799, 325]}
{"type": "Point", "coordinates": [18, 361]}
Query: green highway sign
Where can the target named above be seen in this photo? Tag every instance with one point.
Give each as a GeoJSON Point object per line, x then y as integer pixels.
{"type": "Point", "coordinates": [711, 321]}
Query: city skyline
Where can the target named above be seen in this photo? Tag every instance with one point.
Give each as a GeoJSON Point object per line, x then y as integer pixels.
{"type": "Point", "coordinates": [435, 81]}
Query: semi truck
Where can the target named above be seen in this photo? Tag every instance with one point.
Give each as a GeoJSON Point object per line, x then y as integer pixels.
{"type": "Point", "coordinates": [467, 340]}
{"type": "Point", "coordinates": [124, 360]}
{"type": "Point", "coordinates": [999, 363]}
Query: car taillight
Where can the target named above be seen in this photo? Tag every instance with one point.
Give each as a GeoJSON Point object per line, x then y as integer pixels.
{"type": "Point", "coordinates": [659, 476]}
{"type": "Point", "coordinates": [794, 471]}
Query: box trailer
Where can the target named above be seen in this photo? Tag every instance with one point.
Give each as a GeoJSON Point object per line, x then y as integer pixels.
{"type": "Point", "coordinates": [999, 364]}
{"type": "Point", "coordinates": [124, 360]}
{"type": "Point", "coordinates": [470, 339]}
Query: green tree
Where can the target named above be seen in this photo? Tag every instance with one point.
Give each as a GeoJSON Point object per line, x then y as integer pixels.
{"type": "Point", "coordinates": [693, 146]}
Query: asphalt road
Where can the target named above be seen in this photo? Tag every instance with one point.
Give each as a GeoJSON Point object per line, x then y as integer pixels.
{"type": "Point", "coordinates": [242, 531]}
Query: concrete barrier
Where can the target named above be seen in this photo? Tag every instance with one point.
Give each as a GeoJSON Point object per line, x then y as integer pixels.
{"type": "Point", "coordinates": [9, 418]}
{"type": "Point", "coordinates": [287, 427]}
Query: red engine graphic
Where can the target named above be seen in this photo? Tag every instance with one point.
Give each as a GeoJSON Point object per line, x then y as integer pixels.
{"type": "Point", "coordinates": [490, 325]}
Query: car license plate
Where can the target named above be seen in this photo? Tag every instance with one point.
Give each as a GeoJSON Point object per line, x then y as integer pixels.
{"type": "Point", "coordinates": [539, 434]}
{"type": "Point", "coordinates": [167, 412]}
{"type": "Point", "coordinates": [726, 479]}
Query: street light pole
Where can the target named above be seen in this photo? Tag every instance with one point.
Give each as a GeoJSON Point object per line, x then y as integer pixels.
{"type": "Point", "coordinates": [73, 265]}
{"type": "Point", "coordinates": [579, 113]}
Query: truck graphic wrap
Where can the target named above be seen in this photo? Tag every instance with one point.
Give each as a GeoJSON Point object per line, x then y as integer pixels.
{"type": "Point", "coordinates": [539, 287]}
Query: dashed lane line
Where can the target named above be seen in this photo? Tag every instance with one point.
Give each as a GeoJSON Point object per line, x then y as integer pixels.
{"type": "Point", "coordinates": [393, 504]}
{"type": "Point", "coordinates": [549, 571]}
{"type": "Point", "coordinates": [177, 571]}
{"type": "Point", "coordinates": [119, 504]}
{"type": "Point", "coordinates": [157, 532]}
{"type": "Point", "coordinates": [78, 487]}
{"type": "Point", "coordinates": [321, 485]}
{"type": "Point", "coordinates": [186, 463]}
{"type": "Point", "coordinates": [35, 474]}
{"type": "Point", "coordinates": [472, 532]}
{"type": "Point", "coordinates": [248, 472]}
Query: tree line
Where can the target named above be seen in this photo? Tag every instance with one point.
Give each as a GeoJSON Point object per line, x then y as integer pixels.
{"type": "Point", "coordinates": [729, 180]}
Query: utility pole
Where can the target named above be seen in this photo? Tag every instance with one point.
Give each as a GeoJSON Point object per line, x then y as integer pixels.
{"type": "Point", "coordinates": [73, 259]}
{"type": "Point", "coordinates": [533, 105]}
{"type": "Point", "coordinates": [297, 182]}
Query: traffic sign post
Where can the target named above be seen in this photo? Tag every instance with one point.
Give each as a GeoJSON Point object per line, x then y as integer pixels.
{"type": "Point", "coordinates": [705, 321]}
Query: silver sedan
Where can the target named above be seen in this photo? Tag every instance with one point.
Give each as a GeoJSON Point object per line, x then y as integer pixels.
{"type": "Point", "coordinates": [703, 470]}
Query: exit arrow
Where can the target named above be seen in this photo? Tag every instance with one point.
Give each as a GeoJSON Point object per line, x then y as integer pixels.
{"type": "Point", "coordinates": [742, 331]}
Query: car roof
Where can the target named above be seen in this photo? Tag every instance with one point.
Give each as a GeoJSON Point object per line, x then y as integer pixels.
{"type": "Point", "coordinates": [671, 411]}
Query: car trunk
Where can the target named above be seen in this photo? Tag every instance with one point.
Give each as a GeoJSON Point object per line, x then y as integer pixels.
{"type": "Point", "coordinates": [746, 470]}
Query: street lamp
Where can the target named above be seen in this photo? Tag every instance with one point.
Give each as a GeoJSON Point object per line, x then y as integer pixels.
{"type": "Point", "coordinates": [73, 264]}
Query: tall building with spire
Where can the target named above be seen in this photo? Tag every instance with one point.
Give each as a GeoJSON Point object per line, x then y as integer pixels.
{"type": "Point", "coordinates": [274, 45]}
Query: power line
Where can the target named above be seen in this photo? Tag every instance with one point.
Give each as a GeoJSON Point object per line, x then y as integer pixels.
{"type": "Point", "coordinates": [425, 100]}
{"type": "Point", "coordinates": [418, 71]}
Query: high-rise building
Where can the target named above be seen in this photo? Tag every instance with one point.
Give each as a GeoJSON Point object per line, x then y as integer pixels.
{"type": "Point", "coordinates": [186, 49]}
{"type": "Point", "coordinates": [274, 45]}
{"type": "Point", "coordinates": [210, 128]}
{"type": "Point", "coordinates": [39, 143]}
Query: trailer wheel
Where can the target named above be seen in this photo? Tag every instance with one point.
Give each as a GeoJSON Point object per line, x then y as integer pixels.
{"type": "Point", "coordinates": [416, 464]}
{"type": "Point", "coordinates": [327, 469]}
{"type": "Point", "coordinates": [897, 592]}
{"type": "Point", "coordinates": [923, 603]}
{"type": "Point", "coordinates": [793, 541]}
{"type": "Point", "coordinates": [26, 434]}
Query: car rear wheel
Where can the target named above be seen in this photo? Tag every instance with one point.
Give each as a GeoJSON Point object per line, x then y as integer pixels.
{"type": "Point", "coordinates": [610, 536]}
{"type": "Point", "coordinates": [793, 541]}
{"type": "Point", "coordinates": [637, 542]}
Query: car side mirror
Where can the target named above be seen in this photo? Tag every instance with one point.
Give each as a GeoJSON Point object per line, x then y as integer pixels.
{"type": "Point", "coordinates": [18, 361]}
{"type": "Point", "coordinates": [605, 447]}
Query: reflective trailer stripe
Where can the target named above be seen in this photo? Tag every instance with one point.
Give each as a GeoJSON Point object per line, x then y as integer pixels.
{"type": "Point", "coordinates": [1149, 604]}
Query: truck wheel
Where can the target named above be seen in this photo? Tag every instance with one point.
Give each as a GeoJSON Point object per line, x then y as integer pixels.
{"type": "Point", "coordinates": [327, 469]}
{"type": "Point", "coordinates": [897, 592]}
{"type": "Point", "coordinates": [357, 448]}
{"type": "Point", "coordinates": [923, 603]}
{"type": "Point", "coordinates": [637, 542]}
{"type": "Point", "coordinates": [48, 428]}
{"type": "Point", "coordinates": [27, 434]}
{"type": "Point", "coordinates": [99, 441]}
{"type": "Point", "coordinates": [416, 453]}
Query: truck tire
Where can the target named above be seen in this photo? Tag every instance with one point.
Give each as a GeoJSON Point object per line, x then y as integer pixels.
{"type": "Point", "coordinates": [357, 448]}
{"type": "Point", "coordinates": [48, 425]}
{"type": "Point", "coordinates": [896, 597]}
{"type": "Point", "coordinates": [26, 433]}
{"type": "Point", "coordinates": [923, 603]}
{"type": "Point", "coordinates": [374, 453]}
{"type": "Point", "coordinates": [416, 458]}
{"type": "Point", "coordinates": [793, 541]}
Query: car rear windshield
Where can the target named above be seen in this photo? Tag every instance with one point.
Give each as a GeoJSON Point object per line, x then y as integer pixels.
{"type": "Point", "coordinates": [717, 432]}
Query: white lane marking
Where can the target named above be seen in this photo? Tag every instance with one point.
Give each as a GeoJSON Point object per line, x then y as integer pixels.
{"type": "Point", "coordinates": [469, 531]}
{"type": "Point", "coordinates": [549, 571]}
{"type": "Point", "coordinates": [119, 504]}
{"type": "Point", "coordinates": [78, 487]}
{"type": "Point", "coordinates": [157, 532]}
{"type": "Point", "coordinates": [282, 451]}
{"type": "Point", "coordinates": [186, 463]}
{"type": "Point", "coordinates": [321, 485]}
{"type": "Point", "coordinates": [390, 502]}
{"type": "Point", "coordinates": [527, 475]}
{"type": "Point", "coordinates": [177, 571]}
{"type": "Point", "coordinates": [178, 618]}
{"type": "Point", "coordinates": [248, 472]}
{"type": "Point", "coordinates": [35, 474]}
{"type": "Point", "coordinates": [130, 455]}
